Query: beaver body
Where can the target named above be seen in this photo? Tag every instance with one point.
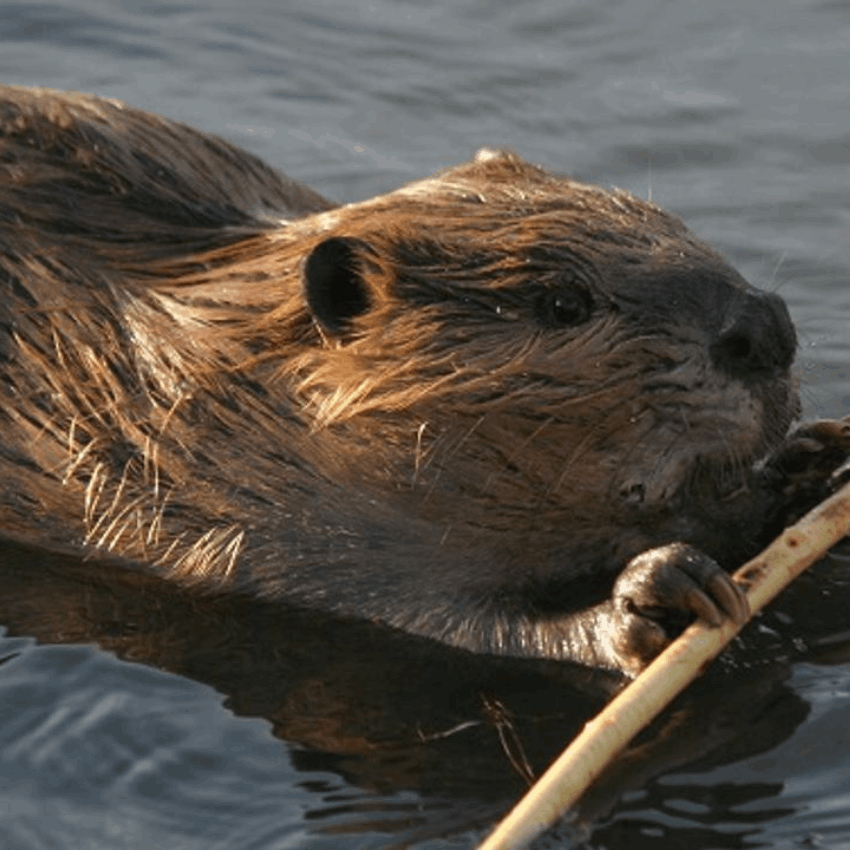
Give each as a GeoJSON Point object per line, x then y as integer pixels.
{"type": "Point", "coordinates": [497, 407]}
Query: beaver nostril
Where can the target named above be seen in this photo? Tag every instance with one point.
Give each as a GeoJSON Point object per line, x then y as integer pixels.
{"type": "Point", "coordinates": [745, 351]}
{"type": "Point", "coordinates": [758, 339]}
{"type": "Point", "coordinates": [737, 347]}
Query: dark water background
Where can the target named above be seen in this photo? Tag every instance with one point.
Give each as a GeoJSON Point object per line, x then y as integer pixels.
{"type": "Point", "coordinates": [733, 113]}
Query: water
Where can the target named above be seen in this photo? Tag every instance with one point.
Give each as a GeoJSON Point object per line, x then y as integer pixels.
{"type": "Point", "coordinates": [735, 114]}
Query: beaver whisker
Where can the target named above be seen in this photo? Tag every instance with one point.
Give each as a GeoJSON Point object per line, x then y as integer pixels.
{"type": "Point", "coordinates": [730, 476]}
{"type": "Point", "coordinates": [508, 461]}
{"type": "Point", "coordinates": [454, 449]}
{"type": "Point", "coordinates": [599, 430]}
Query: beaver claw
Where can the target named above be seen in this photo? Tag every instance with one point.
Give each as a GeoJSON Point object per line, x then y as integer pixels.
{"type": "Point", "coordinates": [814, 451]}
{"type": "Point", "coordinates": [661, 591]}
{"type": "Point", "coordinates": [810, 464]}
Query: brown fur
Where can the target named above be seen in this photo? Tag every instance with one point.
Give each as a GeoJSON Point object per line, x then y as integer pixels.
{"type": "Point", "coordinates": [448, 460]}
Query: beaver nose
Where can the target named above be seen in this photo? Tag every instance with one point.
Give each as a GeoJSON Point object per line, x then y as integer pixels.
{"type": "Point", "coordinates": [757, 339]}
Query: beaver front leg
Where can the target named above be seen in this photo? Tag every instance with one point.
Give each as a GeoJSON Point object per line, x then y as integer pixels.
{"type": "Point", "coordinates": [809, 465]}
{"type": "Point", "coordinates": [658, 594]}
{"type": "Point", "coordinates": [663, 589]}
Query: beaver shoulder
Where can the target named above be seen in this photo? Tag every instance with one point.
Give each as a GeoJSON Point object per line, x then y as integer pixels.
{"type": "Point", "coordinates": [461, 407]}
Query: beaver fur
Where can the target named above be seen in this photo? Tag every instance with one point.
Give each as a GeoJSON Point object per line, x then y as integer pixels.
{"type": "Point", "coordinates": [496, 407]}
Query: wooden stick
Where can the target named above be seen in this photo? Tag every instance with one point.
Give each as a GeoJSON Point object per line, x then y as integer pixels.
{"type": "Point", "coordinates": [607, 734]}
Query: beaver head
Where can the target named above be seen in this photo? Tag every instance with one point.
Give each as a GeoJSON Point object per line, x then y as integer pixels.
{"type": "Point", "coordinates": [467, 400]}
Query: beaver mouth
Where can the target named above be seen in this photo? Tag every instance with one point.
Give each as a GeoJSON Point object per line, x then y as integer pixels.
{"type": "Point", "coordinates": [708, 450]}
{"type": "Point", "coordinates": [682, 478]}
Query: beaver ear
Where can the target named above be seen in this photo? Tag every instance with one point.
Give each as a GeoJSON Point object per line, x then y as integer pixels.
{"type": "Point", "coordinates": [333, 283]}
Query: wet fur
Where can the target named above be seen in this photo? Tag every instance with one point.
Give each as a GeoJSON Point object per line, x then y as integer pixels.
{"type": "Point", "coordinates": [445, 461]}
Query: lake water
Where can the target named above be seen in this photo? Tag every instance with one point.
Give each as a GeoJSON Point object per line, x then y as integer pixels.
{"type": "Point", "coordinates": [733, 113]}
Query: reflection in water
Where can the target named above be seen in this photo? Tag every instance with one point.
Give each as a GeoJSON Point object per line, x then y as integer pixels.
{"type": "Point", "coordinates": [392, 714]}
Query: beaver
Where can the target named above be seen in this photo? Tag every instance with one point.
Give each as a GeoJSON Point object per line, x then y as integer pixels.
{"type": "Point", "coordinates": [497, 407]}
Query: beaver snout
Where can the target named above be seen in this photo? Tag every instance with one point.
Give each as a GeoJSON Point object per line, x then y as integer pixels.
{"type": "Point", "coordinates": [757, 340]}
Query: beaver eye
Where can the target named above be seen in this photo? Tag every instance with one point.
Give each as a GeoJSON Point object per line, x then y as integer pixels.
{"type": "Point", "coordinates": [564, 308]}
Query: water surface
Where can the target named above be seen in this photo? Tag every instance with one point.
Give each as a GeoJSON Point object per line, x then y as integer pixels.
{"type": "Point", "coordinates": [735, 114]}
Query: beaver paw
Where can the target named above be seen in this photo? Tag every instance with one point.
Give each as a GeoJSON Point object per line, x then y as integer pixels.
{"type": "Point", "coordinates": [809, 465]}
{"type": "Point", "coordinates": [660, 592]}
